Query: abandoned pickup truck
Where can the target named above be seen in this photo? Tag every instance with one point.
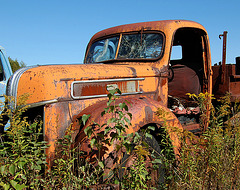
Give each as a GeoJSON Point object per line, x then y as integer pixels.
{"type": "Point", "coordinates": [135, 58]}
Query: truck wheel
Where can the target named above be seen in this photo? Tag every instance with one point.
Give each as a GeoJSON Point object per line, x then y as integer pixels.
{"type": "Point", "coordinates": [157, 176]}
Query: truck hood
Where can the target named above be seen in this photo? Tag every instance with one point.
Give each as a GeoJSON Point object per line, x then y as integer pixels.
{"type": "Point", "coordinates": [52, 83]}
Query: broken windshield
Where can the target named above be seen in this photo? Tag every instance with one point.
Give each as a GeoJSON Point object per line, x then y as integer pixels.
{"type": "Point", "coordinates": [131, 46]}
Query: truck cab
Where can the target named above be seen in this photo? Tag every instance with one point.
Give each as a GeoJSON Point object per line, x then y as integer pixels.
{"type": "Point", "coordinates": [153, 44]}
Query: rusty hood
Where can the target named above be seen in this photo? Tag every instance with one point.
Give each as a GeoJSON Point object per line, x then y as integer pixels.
{"type": "Point", "coordinates": [53, 83]}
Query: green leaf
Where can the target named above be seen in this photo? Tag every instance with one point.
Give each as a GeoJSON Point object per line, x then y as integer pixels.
{"type": "Point", "coordinates": [88, 131]}
{"type": "Point", "coordinates": [12, 169]}
{"type": "Point", "coordinates": [23, 177]}
{"type": "Point", "coordinates": [109, 101]}
{"type": "Point", "coordinates": [5, 186]}
{"type": "Point", "coordinates": [128, 147]}
{"type": "Point", "coordinates": [13, 183]}
{"type": "Point", "coordinates": [20, 187]}
{"type": "Point", "coordinates": [107, 129]}
{"type": "Point", "coordinates": [148, 135]}
{"type": "Point", "coordinates": [21, 164]}
{"type": "Point", "coordinates": [100, 135]}
{"type": "Point", "coordinates": [151, 128]}
{"type": "Point", "coordinates": [93, 141]}
{"type": "Point", "coordinates": [111, 108]}
{"type": "Point", "coordinates": [118, 91]}
{"type": "Point", "coordinates": [111, 120]}
{"type": "Point", "coordinates": [110, 94]}
{"type": "Point", "coordinates": [103, 113]}
{"type": "Point", "coordinates": [2, 168]}
{"type": "Point", "coordinates": [101, 164]}
{"type": "Point", "coordinates": [114, 136]}
{"type": "Point", "coordinates": [130, 115]}
{"type": "Point", "coordinates": [122, 105]}
{"type": "Point", "coordinates": [127, 120]}
{"type": "Point", "coordinates": [157, 161]}
{"type": "Point", "coordinates": [116, 181]}
{"type": "Point", "coordinates": [39, 162]}
{"type": "Point", "coordinates": [85, 118]}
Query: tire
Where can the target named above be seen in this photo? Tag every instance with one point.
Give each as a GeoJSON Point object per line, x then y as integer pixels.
{"type": "Point", "coordinates": [158, 175]}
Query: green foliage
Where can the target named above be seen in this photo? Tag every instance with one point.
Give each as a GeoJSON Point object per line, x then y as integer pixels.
{"type": "Point", "coordinates": [15, 65]}
{"type": "Point", "coordinates": [208, 161]}
{"type": "Point", "coordinates": [137, 175]}
{"type": "Point", "coordinates": [132, 158]}
{"type": "Point", "coordinates": [211, 161]}
{"type": "Point", "coordinates": [22, 157]}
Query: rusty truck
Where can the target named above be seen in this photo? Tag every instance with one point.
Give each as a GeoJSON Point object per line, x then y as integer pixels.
{"type": "Point", "coordinates": [137, 59]}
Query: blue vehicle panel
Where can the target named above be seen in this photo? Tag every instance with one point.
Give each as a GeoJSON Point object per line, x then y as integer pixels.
{"type": "Point", "coordinates": [5, 73]}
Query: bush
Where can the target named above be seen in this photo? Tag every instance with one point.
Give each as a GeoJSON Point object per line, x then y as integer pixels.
{"type": "Point", "coordinates": [211, 161]}
{"type": "Point", "coordinates": [208, 161]}
{"type": "Point", "coordinates": [22, 157]}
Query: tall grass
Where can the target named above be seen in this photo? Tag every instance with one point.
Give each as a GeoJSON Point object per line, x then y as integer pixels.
{"type": "Point", "coordinates": [207, 161]}
{"type": "Point", "coordinates": [211, 160]}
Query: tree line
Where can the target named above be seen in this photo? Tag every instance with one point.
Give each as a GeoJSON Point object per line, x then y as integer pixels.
{"type": "Point", "coordinates": [15, 65]}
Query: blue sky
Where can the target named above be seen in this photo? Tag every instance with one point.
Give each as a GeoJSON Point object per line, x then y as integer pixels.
{"type": "Point", "coordinates": [57, 31]}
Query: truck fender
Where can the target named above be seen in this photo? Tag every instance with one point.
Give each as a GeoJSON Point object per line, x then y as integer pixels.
{"type": "Point", "coordinates": [143, 112]}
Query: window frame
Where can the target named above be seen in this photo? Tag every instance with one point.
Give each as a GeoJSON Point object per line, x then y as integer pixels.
{"type": "Point", "coordinates": [116, 59]}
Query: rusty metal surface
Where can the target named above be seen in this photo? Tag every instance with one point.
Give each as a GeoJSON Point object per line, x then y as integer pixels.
{"type": "Point", "coordinates": [46, 83]}
{"type": "Point", "coordinates": [142, 108]}
{"type": "Point", "coordinates": [168, 27]}
{"type": "Point", "coordinates": [231, 84]}
{"type": "Point", "coordinates": [143, 111]}
{"type": "Point", "coordinates": [224, 35]}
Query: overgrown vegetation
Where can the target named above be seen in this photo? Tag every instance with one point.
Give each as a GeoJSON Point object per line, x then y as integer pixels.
{"type": "Point", "coordinates": [22, 158]}
{"type": "Point", "coordinates": [211, 160]}
{"type": "Point", "coordinates": [207, 161]}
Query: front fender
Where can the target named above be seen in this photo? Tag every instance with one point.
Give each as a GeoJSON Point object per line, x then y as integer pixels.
{"type": "Point", "coordinates": [143, 112]}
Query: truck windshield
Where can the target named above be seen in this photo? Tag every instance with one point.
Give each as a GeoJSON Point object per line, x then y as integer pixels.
{"type": "Point", "coordinates": [131, 46]}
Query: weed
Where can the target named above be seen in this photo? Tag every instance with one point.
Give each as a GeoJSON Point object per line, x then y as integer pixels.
{"type": "Point", "coordinates": [22, 155]}
{"type": "Point", "coordinates": [210, 161]}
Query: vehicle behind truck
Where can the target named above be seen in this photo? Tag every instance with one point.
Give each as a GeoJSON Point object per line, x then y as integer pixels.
{"type": "Point", "coordinates": [5, 73]}
{"type": "Point", "coordinates": [136, 59]}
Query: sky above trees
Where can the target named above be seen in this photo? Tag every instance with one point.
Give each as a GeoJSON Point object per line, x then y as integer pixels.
{"type": "Point", "coordinates": [57, 31]}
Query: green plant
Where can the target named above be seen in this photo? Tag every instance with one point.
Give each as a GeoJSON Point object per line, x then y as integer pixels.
{"type": "Point", "coordinates": [127, 147]}
{"type": "Point", "coordinates": [22, 157]}
{"type": "Point", "coordinates": [210, 161]}
{"type": "Point", "coordinates": [137, 175]}
{"type": "Point", "coordinates": [111, 133]}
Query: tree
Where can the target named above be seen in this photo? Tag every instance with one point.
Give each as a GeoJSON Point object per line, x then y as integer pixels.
{"type": "Point", "coordinates": [15, 65]}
